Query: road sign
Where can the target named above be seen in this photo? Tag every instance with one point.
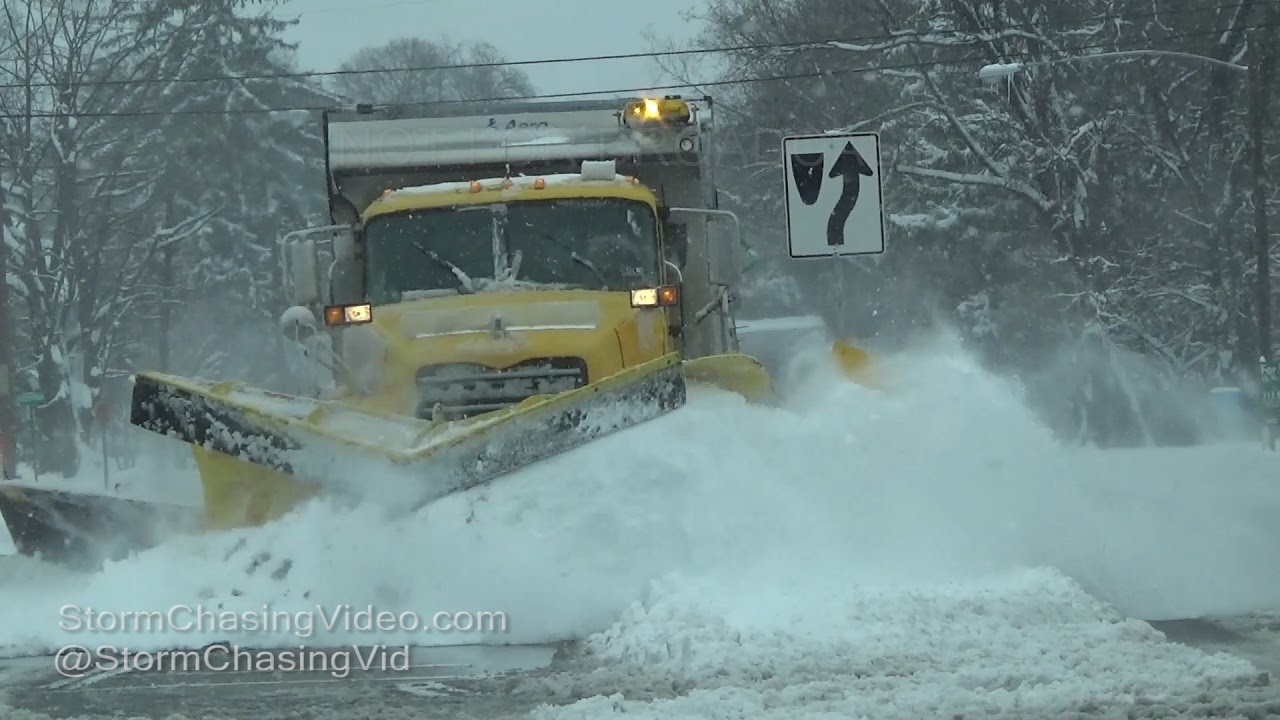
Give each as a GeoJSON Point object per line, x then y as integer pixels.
{"type": "Point", "coordinates": [833, 195]}
{"type": "Point", "coordinates": [31, 398]}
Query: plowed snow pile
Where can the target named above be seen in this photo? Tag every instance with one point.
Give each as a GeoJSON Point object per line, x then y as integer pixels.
{"type": "Point", "coordinates": [1025, 645]}
{"type": "Point", "coordinates": [931, 547]}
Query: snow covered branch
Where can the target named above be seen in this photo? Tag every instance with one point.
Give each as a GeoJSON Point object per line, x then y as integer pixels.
{"type": "Point", "coordinates": [1017, 187]}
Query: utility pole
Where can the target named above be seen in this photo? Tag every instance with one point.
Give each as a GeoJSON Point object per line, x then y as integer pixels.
{"type": "Point", "coordinates": [1262, 242]}
{"type": "Point", "coordinates": [166, 288]}
{"type": "Point", "coordinates": [8, 418]}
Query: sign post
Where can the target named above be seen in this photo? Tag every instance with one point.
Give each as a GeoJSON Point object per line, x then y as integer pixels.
{"type": "Point", "coordinates": [102, 415]}
{"type": "Point", "coordinates": [1269, 407]}
{"type": "Point", "coordinates": [30, 400]}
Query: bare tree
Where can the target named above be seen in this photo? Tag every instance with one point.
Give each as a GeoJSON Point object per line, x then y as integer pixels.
{"type": "Point", "coordinates": [418, 71]}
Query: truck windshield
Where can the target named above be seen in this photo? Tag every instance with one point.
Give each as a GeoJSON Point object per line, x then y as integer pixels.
{"type": "Point", "coordinates": [596, 244]}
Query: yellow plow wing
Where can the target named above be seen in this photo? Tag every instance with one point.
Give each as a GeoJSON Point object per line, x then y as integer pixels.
{"type": "Point", "coordinates": [737, 373]}
{"type": "Point", "coordinates": [857, 364]}
{"type": "Point", "coordinates": [749, 378]}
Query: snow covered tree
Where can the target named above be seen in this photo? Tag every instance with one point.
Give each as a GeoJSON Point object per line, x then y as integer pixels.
{"type": "Point", "coordinates": [228, 150]}
{"type": "Point", "coordinates": [109, 195]}
{"type": "Point", "coordinates": [74, 257]}
{"type": "Point", "coordinates": [1078, 221]}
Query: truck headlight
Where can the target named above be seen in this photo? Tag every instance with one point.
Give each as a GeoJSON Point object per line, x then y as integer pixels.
{"type": "Point", "coordinates": [663, 296]}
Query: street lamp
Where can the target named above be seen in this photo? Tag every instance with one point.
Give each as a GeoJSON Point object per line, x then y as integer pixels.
{"type": "Point", "coordinates": [995, 72]}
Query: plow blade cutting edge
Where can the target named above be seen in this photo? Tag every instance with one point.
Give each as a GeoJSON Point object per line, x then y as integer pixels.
{"type": "Point", "coordinates": [403, 461]}
{"type": "Point", "coordinates": [84, 529]}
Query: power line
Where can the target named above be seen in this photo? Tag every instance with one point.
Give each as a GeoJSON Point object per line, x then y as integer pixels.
{"type": "Point", "coordinates": [901, 35]}
{"type": "Point", "coordinates": [982, 57]}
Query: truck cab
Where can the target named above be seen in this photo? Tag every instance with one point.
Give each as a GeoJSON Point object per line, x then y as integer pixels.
{"type": "Point", "coordinates": [480, 259]}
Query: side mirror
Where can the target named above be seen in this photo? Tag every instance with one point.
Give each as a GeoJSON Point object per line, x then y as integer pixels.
{"type": "Point", "coordinates": [344, 245]}
{"type": "Point", "coordinates": [723, 263]}
{"type": "Point", "coordinates": [304, 272]}
{"type": "Point", "coordinates": [345, 275]}
{"type": "Point", "coordinates": [677, 235]}
{"type": "Point", "coordinates": [298, 322]}
{"type": "Point", "coordinates": [723, 251]}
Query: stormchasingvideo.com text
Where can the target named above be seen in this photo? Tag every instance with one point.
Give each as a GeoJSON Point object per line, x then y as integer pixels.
{"type": "Point", "coordinates": [77, 661]}
{"type": "Point", "coordinates": [303, 624]}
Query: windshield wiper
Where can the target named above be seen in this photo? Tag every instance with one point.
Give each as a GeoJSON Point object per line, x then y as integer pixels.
{"type": "Point", "coordinates": [574, 256]}
{"type": "Point", "coordinates": [512, 268]}
{"type": "Point", "coordinates": [465, 286]}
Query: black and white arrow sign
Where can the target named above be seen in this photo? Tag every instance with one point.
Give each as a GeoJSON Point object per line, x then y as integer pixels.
{"type": "Point", "coordinates": [833, 195]}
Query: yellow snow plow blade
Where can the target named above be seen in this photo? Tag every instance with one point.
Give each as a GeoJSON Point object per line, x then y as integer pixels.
{"type": "Point", "coordinates": [856, 364]}
{"type": "Point", "coordinates": [300, 445]}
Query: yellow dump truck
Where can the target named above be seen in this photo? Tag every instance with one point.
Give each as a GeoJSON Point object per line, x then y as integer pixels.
{"type": "Point", "coordinates": [499, 284]}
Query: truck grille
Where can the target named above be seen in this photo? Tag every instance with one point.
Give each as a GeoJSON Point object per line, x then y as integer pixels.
{"type": "Point", "coordinates": [460, 390]}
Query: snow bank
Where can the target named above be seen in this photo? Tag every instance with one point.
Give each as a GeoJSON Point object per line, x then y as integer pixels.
{"type": "Point", "coordinates": [1030, 644]}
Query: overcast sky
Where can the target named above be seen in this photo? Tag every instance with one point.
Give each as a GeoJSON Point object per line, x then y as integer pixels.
{"type": "Point", "coordinates": [329, 31]}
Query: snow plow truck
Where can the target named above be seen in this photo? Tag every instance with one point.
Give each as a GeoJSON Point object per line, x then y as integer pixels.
{"type": "Point", "coordinates": [499, 284]}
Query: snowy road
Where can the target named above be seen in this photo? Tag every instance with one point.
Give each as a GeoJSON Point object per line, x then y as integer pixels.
{"type": "Point", "coordinates": [1254, 637]}
{"type": "Point", "coordinates": [522, 682]}
{"type": "Point", "coordinates": [447, 682]}
{"type": "Point", "coordinates": [930, 553]}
